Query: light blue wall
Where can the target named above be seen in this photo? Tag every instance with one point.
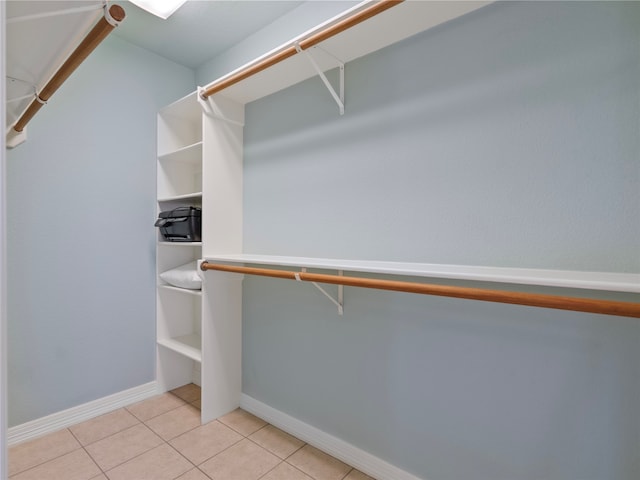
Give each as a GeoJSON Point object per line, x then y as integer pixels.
{"type": "Point", "coordinates": [508, 137]}
{"type": "Point", "coordinates": [513, 144]}
{"type": "Point", "coordinates": [298, 21]}
{"type": "Point", "coordinates": [81, 242]}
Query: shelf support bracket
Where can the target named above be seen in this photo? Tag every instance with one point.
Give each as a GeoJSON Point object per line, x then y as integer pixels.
{"type": "Point", "coordinates": [339, 302]}
{"type": "Point", "coordinates": [339, 98]}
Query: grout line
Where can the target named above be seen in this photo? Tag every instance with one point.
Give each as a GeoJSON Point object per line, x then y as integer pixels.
{"type": "Point", "coordinates": [276, 466]}
{"type": "Point", "coordinates": [180, 453]}
{"type": "Point", "coordinates": [348, 473]}
{"type": "Point", "coordinates": [139, 422]}
{"type": "Point", "coordinates": [224, 450]}
{"type": "Point", "coordinates": [49, 460]}
{"type": "Point", "coordinates": [87, 451]}
{"type": "Point", "coordinates": [143, 421]}
{"type": "Point", "coordinates": [94, 462]}
{"type": "Point", "coordinates": [198, 468]}
{"type": "Point", "coordinates": [302, 471]}
{"type": "Point", "coordinates": [132, 458]}
{"type": "Point", "coordinates": [272, 453]}
{"type": "Point", "coordinates": [167, 442]}
{"type": "Point", "coordinates": [142, 453]}
{"type": "Point", "coordinates": [304, 444]}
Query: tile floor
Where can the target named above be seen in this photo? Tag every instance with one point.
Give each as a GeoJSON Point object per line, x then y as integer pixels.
{"type": "Point", "coordinates": [161, 439]}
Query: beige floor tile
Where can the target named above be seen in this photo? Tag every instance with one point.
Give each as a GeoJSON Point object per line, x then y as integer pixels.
{"type": "Point", "coordinates": [40, 450]}
{"type": "Point", "coordinates": [161, 463]}
{"type": "Point", "coordinates": [102, 476]}
{"type": "Point", "coordinates": [120, 447]}
{"type": "Point", "coordinates": [155, 406]}
{"type": "Point", "coordinates": [103, 426]}
{"type": "Point", "coordinates": [318, 464]}
{"type": "Point", "coordinates": [175, 422]}
{"type": "Point", "coordinates": [194, 474]}
{"type": "Point", "coordinates": [242, 422]}
{"type": "Point", "coordinates": [76, 465]}
{"type": "Point", "coordinates": [284, 471]}
{"type": "Point", "coordinates": [243, 461]}
{"type": "Point", "coordinates": [197, 404]}
{"type": "Point", "coordinates": [205, 441]}
{"type": "Point", "coordinates": [276, 441]}
{"type": "Point", "coordinates": [357, 475]}
{"type": "Point", "coordinates": [189, 393]}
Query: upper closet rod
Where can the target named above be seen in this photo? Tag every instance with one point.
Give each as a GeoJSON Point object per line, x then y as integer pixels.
{"type": "Point", "coordinates": [112, 17]}
{"type": "Point", "coordinates": [606, 307]}
{"type": "Point", "coordinates": [304, 44]}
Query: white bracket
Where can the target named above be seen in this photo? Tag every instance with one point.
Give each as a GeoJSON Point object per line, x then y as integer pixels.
{"type": "Point", "coordinates": [339, 302]}
{"type": "Point", "coordinates": [211, 110]}
{"type": "Point", "coordinates": [107, 15]}
{"type": "Point", "coordinates": [13, 138]}
{"type": "Point", "coordinates": [339, 98]}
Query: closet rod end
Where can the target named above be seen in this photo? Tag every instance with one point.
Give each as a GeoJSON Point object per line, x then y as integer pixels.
{"type": "Point", "coordinates": [116, 12]}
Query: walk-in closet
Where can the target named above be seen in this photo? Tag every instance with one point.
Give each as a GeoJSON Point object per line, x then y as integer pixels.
{"type": "Point", "coordinates": [320, 240]}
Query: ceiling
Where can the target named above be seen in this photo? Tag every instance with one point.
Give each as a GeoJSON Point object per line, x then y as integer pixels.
{"type": "Point", "coordinates": [200, 29]}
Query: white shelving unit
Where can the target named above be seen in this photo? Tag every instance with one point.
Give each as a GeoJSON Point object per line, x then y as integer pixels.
{"type": "Point", "coordinates": [200, 164]}
{"type": "Point", "coordinates": [180, 173]}
{"type": "Point", "coordinates": [179, 183]}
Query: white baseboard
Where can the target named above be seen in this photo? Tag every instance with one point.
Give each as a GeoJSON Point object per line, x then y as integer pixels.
{"type": "Point", "coordinates": [71, 416]}
{"type": "Point", "coordinates": [357, 458]}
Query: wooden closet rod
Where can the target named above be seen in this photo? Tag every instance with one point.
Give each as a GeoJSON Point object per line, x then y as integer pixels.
{"type": "Point", "coordinates": [97, 34]}
{"type": "Point", "coordinates": [606, 307]}
{"type": "Point", "coordinates": [308, 42]}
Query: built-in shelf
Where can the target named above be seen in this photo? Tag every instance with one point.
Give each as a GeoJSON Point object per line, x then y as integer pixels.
{"type": "Point", "coordinates": [181, 244]}
{"type": "Point", "coordinates": [189, 154]}
{"type": "Point", "coordinates": [608, 281]}
{"type": "Point", "coordinates": [186, 345]}
{"type": "Point", "coordinates": [186, 291]}
{"type": "Point", "coordinates": [186, 196]}
{"type": "Point", "coordinates": [179, 184]}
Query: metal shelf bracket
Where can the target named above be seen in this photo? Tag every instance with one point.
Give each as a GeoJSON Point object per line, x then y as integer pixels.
{"type": "Point", "coordinates": [339, 98]}
{"type": "Point", "coordinates": [339, 302]}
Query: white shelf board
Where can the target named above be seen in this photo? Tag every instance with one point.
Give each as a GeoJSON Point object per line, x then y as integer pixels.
{"type": "Point", "coordinates": [391, 26]}
{"type": "Point", "coordinates": [186, 107]}
{"type": "Point", "coordinates": [187, 345]}
{"type": "Point", "coordinates": [189, 154]}
{"type": "Point", "coordinates": [608, 281]}
{"type": "Point", "coordinates": [186, 196]}
{"type": "Point", "coordinates": [186, 291]}
{"type": "Point", "coordinates": [181, 244]}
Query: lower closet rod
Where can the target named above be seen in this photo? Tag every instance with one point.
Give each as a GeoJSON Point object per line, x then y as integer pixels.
{"type": "Point", "coordinates": [589, 305]}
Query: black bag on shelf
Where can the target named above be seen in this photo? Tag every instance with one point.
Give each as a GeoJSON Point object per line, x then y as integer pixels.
{"type": "Point", "coordinates": [182, 224]}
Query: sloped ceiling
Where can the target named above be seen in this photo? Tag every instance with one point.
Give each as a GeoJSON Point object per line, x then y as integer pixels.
{"type": "Point", "coordinates": [41, 34]}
